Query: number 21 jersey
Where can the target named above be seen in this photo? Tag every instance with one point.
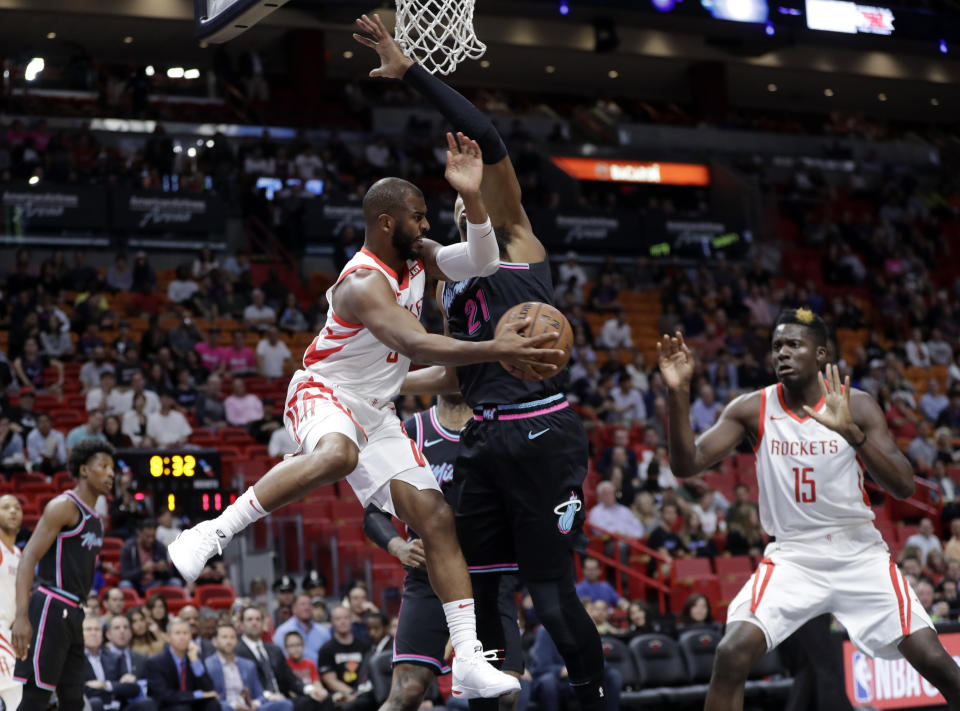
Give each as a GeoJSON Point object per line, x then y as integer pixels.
{"type": "Point", "coordinates": [810, 478]}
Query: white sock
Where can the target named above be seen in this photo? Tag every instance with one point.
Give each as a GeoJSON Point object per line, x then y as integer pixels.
{"type": "Point", "coordinates": [240, 514]}
{"type": "Point", "coordinates": [462, 623]}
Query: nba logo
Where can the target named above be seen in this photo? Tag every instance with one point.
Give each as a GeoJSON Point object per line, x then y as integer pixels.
{"type": "Point", "coordinates": [862, 678]}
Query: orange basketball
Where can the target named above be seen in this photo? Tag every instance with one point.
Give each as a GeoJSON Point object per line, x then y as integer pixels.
{"type": "Point", "coordinates": [544, 318]}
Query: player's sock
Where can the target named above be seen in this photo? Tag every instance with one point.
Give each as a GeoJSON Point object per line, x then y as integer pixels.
{"type": "Point", "coordinates": [241, 513]}
{"type": "Point", "coordinates": [590, 694]}
{"type": "Point", "coordinates": [462, 623]}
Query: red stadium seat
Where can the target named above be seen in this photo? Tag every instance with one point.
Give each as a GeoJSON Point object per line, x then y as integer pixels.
{"type": "Point", "coordinates": [25, 480]}
{"type": "Point", "coordinates": [111, 543]}
{"type": "Point", "coordinates": [734, 567]}
{"type": "Point", "coordinates": [205, 593]}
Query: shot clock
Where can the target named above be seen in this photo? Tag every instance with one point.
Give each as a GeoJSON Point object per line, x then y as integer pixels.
{"type": "Point", "coordinates": [181, 479]}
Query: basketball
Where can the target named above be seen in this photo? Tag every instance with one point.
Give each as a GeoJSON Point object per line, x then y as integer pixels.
{"type": "Point", "coordinates": [544, 318]}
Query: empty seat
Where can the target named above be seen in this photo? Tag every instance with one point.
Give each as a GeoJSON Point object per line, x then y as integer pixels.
{"type": "Point", "coordinates": [698, 647]}
{"type": "Point", "coordinates": [733, 567]}
{"type": "Point", "coordinates": [616, 654]}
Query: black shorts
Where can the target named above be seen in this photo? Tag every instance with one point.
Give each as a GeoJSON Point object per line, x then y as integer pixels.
{"type": "Point", "coordinates": [56, 649]}
{"type": "Point", "coordinates": [521, 498]}
{"type": "Point", "coordinates": [422, 632]}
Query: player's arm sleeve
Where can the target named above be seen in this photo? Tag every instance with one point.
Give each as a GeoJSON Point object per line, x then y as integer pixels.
{"type": "Point", "coordinates": [478, 256]}
{"type": "Point", "coordinates": [379, 527]}
{"type": "Point", "coordinates": [462, 114]}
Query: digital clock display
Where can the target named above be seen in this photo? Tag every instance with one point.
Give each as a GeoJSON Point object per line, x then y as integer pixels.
{"type": "Point", "coordinates": [175, 465]}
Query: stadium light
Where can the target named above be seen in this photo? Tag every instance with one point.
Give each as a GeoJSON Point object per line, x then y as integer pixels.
{"type": "Point", "coordinates": [34, 67]}
{"type": "Point", "coordinates": [564, 8]}
{"type": "Point", "coordinates": [943, 47]}
{"type": "Point", "coordinates": [34, 180]}
{"type": "Point", "coordinates": [191, 74]}
{"type": "Point", "coordinates": [150, 71]}
{"type": "Point", "coordinates": [770, 29]}
{"type": "Point", "coordinates": [175, 72]}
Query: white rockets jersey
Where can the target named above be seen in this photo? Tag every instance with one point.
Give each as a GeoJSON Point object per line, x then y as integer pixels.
{"type": "Point", "coordinates": [811, 479]}
{"type": "Point", "coordinates": [347, 354]}
{"type": "Point", "coordinates": [9, 560]}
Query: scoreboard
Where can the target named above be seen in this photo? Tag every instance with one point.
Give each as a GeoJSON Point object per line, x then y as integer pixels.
{"type": "Point", "coordinates": [187, 480]}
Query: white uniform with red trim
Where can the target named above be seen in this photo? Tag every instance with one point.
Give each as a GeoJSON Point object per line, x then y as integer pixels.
{"type": "Point", "coordinates": [9, 560]}
{"type": "Point", "coordinates": [347, 385]}
{"type": "Point", "coordinates": [828, 556]}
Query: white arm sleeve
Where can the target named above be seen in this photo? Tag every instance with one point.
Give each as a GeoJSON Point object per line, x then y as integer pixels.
{"type": "Point", "coordinates": [478, 256]}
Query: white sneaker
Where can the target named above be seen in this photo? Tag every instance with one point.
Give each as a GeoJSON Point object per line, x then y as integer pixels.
{"type": "Point", "coordinates": [191, 550]}
{"type": "Point", "coordinates": [475, 678]}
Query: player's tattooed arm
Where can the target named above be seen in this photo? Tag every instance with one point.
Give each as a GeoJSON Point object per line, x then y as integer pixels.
{"type": "Point", "coordinates": [690, 455]}
{"type": "Point", "coordinates": [58, 514]}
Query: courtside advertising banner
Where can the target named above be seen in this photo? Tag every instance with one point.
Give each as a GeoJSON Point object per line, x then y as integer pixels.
{"type": "Point", "coordinates": [891, 683]}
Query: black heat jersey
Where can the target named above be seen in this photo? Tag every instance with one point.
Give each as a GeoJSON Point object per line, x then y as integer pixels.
{"type": "Point", "coordinates": [70, 562]}
{"type": "Point", "coordinates": [474, 307]}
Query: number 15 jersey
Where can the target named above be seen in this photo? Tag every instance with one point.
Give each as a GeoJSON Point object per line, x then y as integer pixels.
{"type": "Point", "coordinates": [810, 478]}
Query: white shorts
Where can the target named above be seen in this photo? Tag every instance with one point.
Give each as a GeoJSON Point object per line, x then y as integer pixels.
{"type": "Point", "coordinates": [315, 409]}
{"type": "Point", "coordinates": [7, 660]}
{"type": "Point", "coordinates": [849, 574]}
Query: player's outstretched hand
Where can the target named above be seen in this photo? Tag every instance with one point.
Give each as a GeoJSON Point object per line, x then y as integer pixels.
{"type": "Point", "coordinates": [464, 164]}
{"type": "Point", "coordinates": [514, 349]}
{"type": "Point", "coordinates": [393, 62]}
{"type": "Point", "coordinates": [411, 554]}
{"type": "Point", "coordinates": [675, 360]}
{"type": "Point", "coordinates": [21, 632]}
{"type": "Point", "coordinates": [836, 413]}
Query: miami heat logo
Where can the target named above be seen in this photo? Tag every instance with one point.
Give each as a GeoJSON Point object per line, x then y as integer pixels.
{"type": "Point", "coordinates": [567, 511]}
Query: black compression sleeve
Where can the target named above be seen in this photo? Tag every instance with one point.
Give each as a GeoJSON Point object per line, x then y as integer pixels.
{"type": "Point", "coordinates": [461, 114]}
{"type": "Point", "coordinates": [379, 527]}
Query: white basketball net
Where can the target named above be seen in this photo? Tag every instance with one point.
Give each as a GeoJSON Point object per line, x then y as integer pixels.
{"type": "Point", "coordinates": [437, 33]}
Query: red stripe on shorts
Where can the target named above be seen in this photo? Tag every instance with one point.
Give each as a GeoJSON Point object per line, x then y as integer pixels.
{"type": "Point", "coordinates": [896, 589]}
{"type": "Point", "coordinates": [906, 627]}
{"type": "Point", "coordinates": [754, 597]}
{"type": "Point", "coordinates": [325, 391]}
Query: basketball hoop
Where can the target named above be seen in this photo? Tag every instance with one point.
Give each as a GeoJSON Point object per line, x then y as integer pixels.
{"type": "Point", "coordinates": [437, 33]}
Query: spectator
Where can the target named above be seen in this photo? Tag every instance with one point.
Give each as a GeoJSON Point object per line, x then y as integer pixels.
{"type": "Point", "coordinates": [637, 371]}
{"type": "Point", "coordinates": [29, 368]}
{"type": "Point", "coordinates": [696, 612]}
{"type": "Point", "coordinates": [745, 535]}
{"type": "Point", "coordinates": [127, 367]}
{"type": "Point", "coordinates": [91, 371]}
{"type": "Point", "coordinates": [272, 355]}
{"type": "Point", "coordinates": [242, 408]}
{"type": "Point", "coordinates": [168, 428]}
{"type": "Point", "coordinates": [925, 540]}
{"type": "Point", "coordinates": [292, 319]}
{"type": "Point", "coordinates": [663, 539]}
{"type": "Point", "coordinates": [933, 402]}
{"type": "Point", "coordinates": [628, 402]}
{"type": "Point", "coordinates": [113, 602]}
{"type": "Point", "coordinates": [901, 416]}
{"type": "Point", "coordinates": [281, 443]}
{"type": "Point", "coordinates": [205, 264]}
{"type": "Point", "coordinates": [23, 418]}
{"type": "Point", "coordinates": [238, 358]}
{"type": "Point", "coordinates": [46, 447]}
{"type": "Point", "coordinates": [610, 516]}
{"type": "Point", "coordinates": [119, 636]}
{"type": "Point", "coordinates": [704, 411]}
{"type": "Point", "coordinates": [621, 441]}
{"type": "Point", "coordinates": [377, 631]}
{"type": "Point", "coordinates": [212, 355]}
{"type": "Point", "coordinates": [55, 343]}
{"type": "Point", "coordinates": [184, 393]}
{"type": "Point", "coordinates": [177, 674]}
{"type": "Point", "coordinates": [616, 332]}
{"type": "Point", "coordinates": [918, 355]}
{"type": "Point", "coordinates": [338, 662]}
{"type": "Point", "coordinates": [144, 278]}
{"type": "Point", "coordinates": [209, 409]}
{"type": "Point", "coordinates": [314, 635]}
{"type": "Point", "coordinates": [258, 316]}
{"type": "Point", "coordinates": [146, 637]}
{"type": "Point", "coordinates": [143, 561]}
{"type": "Point", "coordinates": [183, 337]}
{"type": "Point", "coordinates": [359, 607]}
{"type": "Point", "coordinates": [593, 588]}
{"type": "Point", "coordinates": [571, 269]}
{"type": "Point", "coordinates": [181, 290]}
{"type": "Point", "coordinates": [120, 275]}
{"type": "Point", "coordinates": [952, 549]}
{"type": "Point", "coordinates": [922, 451]}
{"type": "Point", "coordinates": [939, 349]}
{"type": "Point", "coordinates": [603, 296]}
{"type": "Point", "coordinates": [134, 423]}
{"type": "Point", "coordinates": [103, 687]}
{"type": "Point", "coordinates": [11, 448]}
{"type": "Point", "coordinates": [599, 612]}
{"type": "Point", "coordinates": [551, 681]}
{"type": "Point", "coordinates": [122, 344]}
{"type": "Point", "coordinates": [710, 507]}
{"type": "Point", "coordinates": [93, 427]}
{"type": "Point", "coordinates": [235, 678]}
{"type": "Point", "coordinates": [167, 528]}
{"type": "Point", "coordinates": [126, 510]}
{"type": "Point", "coordinates": [950, 415]}
{"type": "Point", "coordinates": [106, 397]}
{"type": "Point", "coordinates": [695, 539]}
{"type": "Point", "coordinates": [303, 668]}
{"type": "Point", "coordinates": [138, 385]}
{"type": "Point", "coordinates": [273, 671]}
{"type": "Point", "coordinates": [646, 512]}
{"type": "Point", "coordinates": [111, 430]}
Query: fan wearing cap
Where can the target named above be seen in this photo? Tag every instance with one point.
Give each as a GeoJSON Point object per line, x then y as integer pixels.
{"type": "Point", "coordinates": [284, 588]}
{"type": "Point", "coordinates": [168, 428]}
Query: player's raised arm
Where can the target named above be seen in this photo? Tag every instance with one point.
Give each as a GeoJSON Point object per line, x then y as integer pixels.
{"type": "Point", "coordinates": [365, 297]}
{"type": "Point", "coordinates": [480, 254]}
{"type": "Point", "coordinates": [500, 187]}
{"type": "Point", "coordinates": [59, 513]}
{"type": "Point", "coordinates": [857, 417]}
{"type": "Point", "coordinates": [690, 456]}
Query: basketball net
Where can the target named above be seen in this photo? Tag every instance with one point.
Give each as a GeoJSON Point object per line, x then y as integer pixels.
{"type": "Point", "coordinates": [437, 33]}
